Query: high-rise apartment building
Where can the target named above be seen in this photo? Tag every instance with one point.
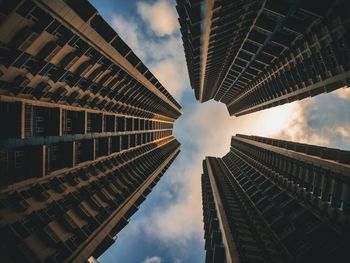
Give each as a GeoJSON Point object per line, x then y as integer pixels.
{"type": "Point", "coordinates": [252, 55]}
{"type": "Point", "coordinates": [86, 131]}
{"type": "Point", "coordinates": [270, 200]}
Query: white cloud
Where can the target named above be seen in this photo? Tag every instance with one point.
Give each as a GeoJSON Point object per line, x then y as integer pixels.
{"type": "Point", "coordinates": [161, 56]}
{"type": "Point", "coordinates": [343, 93]}
{"type": "Point", "coordinates": [169, 75]}
{"type": "Point", "coordinates": [182, 219]}
{"type": "Point", "coordinates": [129, 32]}
{"type": "Point", "coordinates": [297, 127]}
{"type": "Point", "coordinates": [152, 260]}
{"type": "Point", "coordinates": [160, 16]}
{"type": "Point", "coordinates": [344, 131]}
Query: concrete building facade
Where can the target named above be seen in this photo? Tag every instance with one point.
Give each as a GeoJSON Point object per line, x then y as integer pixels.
{"type": "Point", "coordinates": [86, 131]}
{"type": "Point", "coordinates": [270, 200]}
{"type": "Point", "coordinates": [253, 55]}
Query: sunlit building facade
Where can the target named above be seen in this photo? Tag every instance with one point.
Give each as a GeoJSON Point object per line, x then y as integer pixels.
{"type": "Point", "coordinates": [270, 200]}
{"type": "Point", "coordinates": [86, 131]}
{"type": "Point", "coordinates": [253, 55]}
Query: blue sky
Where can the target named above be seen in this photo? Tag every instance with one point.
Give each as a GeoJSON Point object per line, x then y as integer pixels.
{"type": "Point", "coordinates": [168, 226]}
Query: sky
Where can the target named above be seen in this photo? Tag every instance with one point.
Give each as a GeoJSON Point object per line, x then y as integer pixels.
{"type": "Point", "coordinates": [168, 227]}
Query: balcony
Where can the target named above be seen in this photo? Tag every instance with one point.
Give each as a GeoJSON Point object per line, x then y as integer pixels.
{"type": "Point", "coordinates": [83, 151]}
{"type": "Point", "coordinates": [83, 68]}
{"type": "Point", "coordinates": [10, 113]}
{"type": "Point", "coordinates": [103, 246]}
{"type": "Point", "coordinates": [120, 123]}
{"type": "Point", "coordinates": [44, 121]}
{"type": "Point", "coordinates": [49, 234]}
{"type": "Point", "coordinates": [94, 122]}
{"type": "Point", "coordinates": [129, 124]}
{"type": "Point", "coordinates": [40, 193]}
{"type": "Point", "coordinates": [119, 226]}
{"type": "Point", "coordinates": [125, 142]}
{"type": "Point", "coordinates": [132, 210]}
{"type": "Point", "coordinates": [57, 185]}
{"type": "Point", "coordinates": [68, 222]}
{"type": "Point", "coordinates": [68, 60]}
{"type": "Point", "coordinates": [73, 122]}
{"type": "Point", "coordinates": [109, 123]}
{"type": "Point", "coordinates": [17, 201]}
{"type": "Point", "coordinates": [83, 211]}
{"type": "Point", "coordinates": [40, 90]}
{"type": "Point", "coordinates": [49, 51]}
{"type": "Point", "coordinates": [18, 85]}
{"type": "Point", "coordinates": [24, 38]}
{"type": "Point", "coordinates": [101, 147]}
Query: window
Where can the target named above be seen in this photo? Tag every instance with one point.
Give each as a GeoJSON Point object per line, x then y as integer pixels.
{"type": "Point", "coordinates": [51, 234]}
{"type": "Point", "coordinates": [73, 41]}
{"type": "Point", "coordinates": [3, 164]}
{"type": "Point", "coordinates": [69, 125]}
{"type": "Point", "coordinates": [69, 221]}
{"type": "Point", "coordinates": [19, 159]}
{"type": "Point", "coordinates": [45, 70]}
{"type": "Point", "coordinates": [53, 26]}
{"type": "Point", "coordinates": [39, 123]}
{"type": "Point", "coordinates": [25, 8]}
{"type": "Point", "coordinates": [21, 60]}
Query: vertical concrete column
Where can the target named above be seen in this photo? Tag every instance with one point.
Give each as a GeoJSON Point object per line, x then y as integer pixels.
{"type": "Point", "coordinates": [43, 161]}
{"type": "Point", "coordinates": [73, 150]}
{"type": "Point", "coordinates": [109, 145]}
{"type": "Point", "coordinates": [22, 121]}
{"type": "Point", "coordinates": [60, 124]}
{"type": "Point", "coordinates": [93, 149]}
{"type": "Point", "coordinates": [85, 122]}
{"type": "Point", "coordinates": [102, 122]}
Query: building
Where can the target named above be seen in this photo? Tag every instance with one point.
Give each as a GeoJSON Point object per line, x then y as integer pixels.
{"type": "Point", "coordinates": [270, 200]}
{"type": "Point", "coordinates": [252, 55]}
{"type": "Point", "coordinates": [86, 131]}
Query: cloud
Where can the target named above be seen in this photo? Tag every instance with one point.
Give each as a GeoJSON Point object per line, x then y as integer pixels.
{"type": "Point", "coordinates": [160, 16]}
{"type": "Point", "coordinates": [128, 30]}
{"type": "Point", "coordinates": [298, 127]}
{"type": "Point", "coordinates": [169, 75]}
{"type": "Point", "coordinates": [152, 260]}
{"type": "Point", "coordinates": [181, 220]}
{"type": "Point", "coordinates": [160, 55]}
{"type": "Point", "coordinates": [344, 132]}
{"type": "Point", "coordinates": [343, 93]}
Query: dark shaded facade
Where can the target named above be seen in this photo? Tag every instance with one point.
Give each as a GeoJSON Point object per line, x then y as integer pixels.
{"type": "Point", "coordinates": [253, 55]}
{"type": "Point", "coordinates": [86, 131]}
{"type": "Point", "coordinates": [270, 200]}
